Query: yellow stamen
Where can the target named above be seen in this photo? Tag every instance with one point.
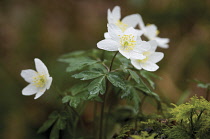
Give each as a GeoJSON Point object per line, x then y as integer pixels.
{"type": "Point", "coordinates": [128, 42]}
{"type": "Point", "coordinates": [39, 81]}
{"type": "Point", "coordinates": [121, 25]}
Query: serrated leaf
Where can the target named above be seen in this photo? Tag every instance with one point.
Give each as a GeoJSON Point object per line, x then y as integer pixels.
{"type": "Point", "coordinates": [147, 75]}
{"type": "Point", "coordinates": [61, 123]}
{"type": "Point", "coordinates": [116, 80]}
{"type": "Point", "coordinates": [134, 75]}
{"type": "Point", "coordinates": [87, 75]}
{"type": "Point", "coordinates": [47, 124]}
{"type": "Point", "coordinates": [78, 63]}
{"type": "Point", "coordinates": [54, 134]}
{"type": "Point", "coordinates": [132, 96]}
{"type": "Point", "coordinates": [74, 102]}
{"type": "Point", "coordinates": [66, 99]}
{"type": "Point", "coordinates": [78, 88]}
{"type": "Point", "coordinates": [201, 84]}
{"type": "Point", "coordinates": [97, 86]}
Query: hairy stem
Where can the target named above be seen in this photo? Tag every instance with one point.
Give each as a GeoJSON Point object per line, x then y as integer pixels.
{"type": "Point", "coordinates": [104, 101]}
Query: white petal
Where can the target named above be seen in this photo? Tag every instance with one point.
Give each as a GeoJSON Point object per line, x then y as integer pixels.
{"type": "Point", "coordinates": [124, 53]}
{"type": "Point", "coordinates": [156, 57]}
{"type": "Point", "coordinates": [49, 82]}
{"type": "Point", "coordinates": [109, 16]}
{"type": "Point", "coordinates": [108, 44]}
{"type": "Point", "coordinates": [149, 66]}
{"type": "Point", "coordinates": [141, 23]}
{"type": "Point", "coordinates": [30, 90]}
{"type": "Point", "coordinates": [40, 67]}
{"type": "Point", "coordinates": [162, 42]}
{"type": "Point", "coordinates": [132, 31]}
{"type": "Point", "coordinates": [150, 31]}
{"type": "Point", "coordinates": [136, 55]}
{"type": "Point", "coordinates": [114, 31]}
{"type": "Point", "coordinates": [153, 45]}
{"type": "Point", "coordinates": [142, 46]}
{"type": "Point", "coordinates": [116, 13]}
{"type": "Point", "coordinates": [28, 75]}
{"type": "Point", "coordinates": [131, 20]}
{"type": "Point", "coordinates": [106, 35]}
{"type": "Point", "coordinates": [38, 94]}
{"type": "Point", "coordinates": [136, 64]}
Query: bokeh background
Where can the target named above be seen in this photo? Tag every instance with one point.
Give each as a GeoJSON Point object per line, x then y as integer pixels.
{"type": "Point", "coordinates": [46, 29]}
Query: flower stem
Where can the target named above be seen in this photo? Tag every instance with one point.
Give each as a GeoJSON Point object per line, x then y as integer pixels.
{"type": "Point", "coordinates": [104, 101]}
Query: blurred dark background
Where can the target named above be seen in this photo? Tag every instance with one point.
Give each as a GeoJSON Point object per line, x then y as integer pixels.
{"type": "Point", "coordinates": [47, 29]}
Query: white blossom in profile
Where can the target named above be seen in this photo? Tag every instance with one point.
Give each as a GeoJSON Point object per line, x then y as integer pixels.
{"type": "Point", "coordinates": [39, 81]}
{"type": "Point", "coordinates": [150, 60]}
{"type": "Point", "coordinates": [127, 42]}
{"type": "Point", "coordinates": [114, 17]}
{"type": "Point", "coordinates": [151, 32]}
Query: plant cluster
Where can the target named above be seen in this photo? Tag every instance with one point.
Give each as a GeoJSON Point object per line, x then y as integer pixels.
{"type": "Point", "coordinates": [118, 82]}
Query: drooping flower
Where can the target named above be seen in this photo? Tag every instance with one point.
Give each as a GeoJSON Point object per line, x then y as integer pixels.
{"type": "Point", "coordinates": [151, 32]}
{"type": "Point", "coordinates": [114, 17]}
{"type": "Point", "coordinates": [39, 81]}
{"type": "Point", "coordinates": [150, 60]}
{"type": "Point", "coordinates": [128, 43]}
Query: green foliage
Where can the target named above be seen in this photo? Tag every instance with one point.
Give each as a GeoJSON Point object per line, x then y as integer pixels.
{"type": "Point", "coordinates": [116, 80]}
{"type": "Point", "coordinates": [58, 121]}
{"type": "Point", "coordinates": [147, 75]}
{"type": "Point", "coordinates": [134, 75]}
{"type": "Point", "coordinates": [143, 135]}
{"type": "Point", "coordinates": [202, 84]}
{"type": "Point", "coordinates": [97, 86]}
{"type": "Point", "coordinates": [193, 118]}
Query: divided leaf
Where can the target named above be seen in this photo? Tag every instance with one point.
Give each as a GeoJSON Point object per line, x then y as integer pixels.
{"type": "Point", "coordinates": [147, 75]}
{"type": "Point", "coordinates": [78, 63]}
{"type": "Point", "coordinates": [87, 75]}
{"type": "Point", "coordinates": [116, 80]}
{"type": "Point", "coordinates": [97, 86]}
{"type": "Point", "coordinates": [134, 75]}
{"type": "Point", "coordinates": [47, 124]}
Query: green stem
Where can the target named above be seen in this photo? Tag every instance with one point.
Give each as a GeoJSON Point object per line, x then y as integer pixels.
{"type": "Point", "coordinates": [94, 120]}
{"type": "Point", "coordinates": [104, 101]}
{"type": "Point", "coordinates": [110, 68]}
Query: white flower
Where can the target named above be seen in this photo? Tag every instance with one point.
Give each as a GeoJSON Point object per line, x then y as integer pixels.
{"type": "Point", "coordinates": [39, 80]}
{"type": "Point", "coordinates": [150, 60]}
{"type": "Point", "coordinates": [151, 32]}
{"type": "Point", "coordinates": [128, 43]}
{"type": "Point", "coordinates": [114, 16]}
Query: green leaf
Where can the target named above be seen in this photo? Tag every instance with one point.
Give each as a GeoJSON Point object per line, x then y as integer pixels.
{"type": "Point", "coordinates": [66, 99]}
{"type": "Point", "coordinates": [54, 134]}
{"type": "Point", "coordinates": [87, 75]}
{"type": "Point", "coordinates": [147, 75]}
{"type": "Point", "coordinates": [134, 75]}
{"type": "Point", "coordinates": [78, 63]}
{"type": "Point", "coordinates": [97, 86]}
{"type": "Point", "coordinates": [78, 88]}
{"type": "Point", "coordinates": [74, 102]}
{"type": "Point", "coordinates": [116, 80]}
{"type": "Point", "coordinates": [47, 124]}
{"type": "Point", "coordinates": [132, 96]}
{"type": "Point", "coordinates": [61, 123]}
{"type": "Point", "coordinates": [202, 84]}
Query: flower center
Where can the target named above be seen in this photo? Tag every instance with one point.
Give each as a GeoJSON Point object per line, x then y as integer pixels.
{"type": "Point", "coordinates": [128, 42]}
{"type": "Point", "coordinates": [121, 25]}
{"type": "Point", "coordinates": [39, 81]}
